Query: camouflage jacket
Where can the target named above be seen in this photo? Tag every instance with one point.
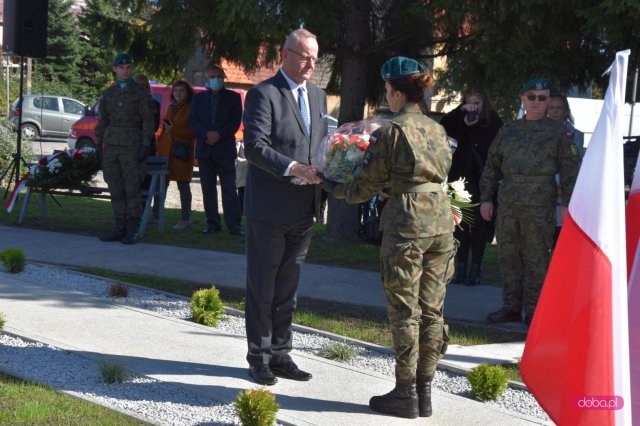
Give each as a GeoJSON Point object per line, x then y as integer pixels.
{"type": "Point", "coordinates": [126, 116]}
{"type": "Point", "coordinates": [407, 160]}
{"type": "Point", "coordinates": [523, 160]}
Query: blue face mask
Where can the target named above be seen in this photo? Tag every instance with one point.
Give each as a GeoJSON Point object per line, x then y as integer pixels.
{"type": "Point", "coordinates": [215, 83]}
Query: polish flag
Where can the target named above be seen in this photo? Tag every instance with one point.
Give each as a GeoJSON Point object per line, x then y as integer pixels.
{"type": "Point", "coordinates": [633, 264]}
{"type": "Point", "coordinates": [577, 352]}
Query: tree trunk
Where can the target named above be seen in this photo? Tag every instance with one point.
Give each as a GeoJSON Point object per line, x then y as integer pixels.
{"type": "Point", "coordinates": [343, 220]}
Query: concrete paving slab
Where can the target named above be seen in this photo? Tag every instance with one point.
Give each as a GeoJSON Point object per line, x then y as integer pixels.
{"type": "Point", "coordinates": [468, 357]}
{"type": "Point", "coordinates": [226, 269]}
{"type": "Point", "coordinates": [210, 363]}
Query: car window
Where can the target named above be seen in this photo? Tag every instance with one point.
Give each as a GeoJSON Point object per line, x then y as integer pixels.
{"type": "Point", "coordinates": [72, 107]}
{"type": "Point", "coordinates": [50, 104]}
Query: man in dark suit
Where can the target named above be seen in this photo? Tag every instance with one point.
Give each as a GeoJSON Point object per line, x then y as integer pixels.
{"type": "Point", "coordinates": [215, 118]}
{"type": "Point", "coordinates": [283, 129]}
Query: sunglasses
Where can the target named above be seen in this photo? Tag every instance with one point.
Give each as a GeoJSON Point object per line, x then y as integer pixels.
{"type": "Point", "coordinates": [541, 98]}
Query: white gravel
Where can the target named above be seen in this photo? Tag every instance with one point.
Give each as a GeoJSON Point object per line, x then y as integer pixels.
{"type": "Point", "coordinates": [163, 403]}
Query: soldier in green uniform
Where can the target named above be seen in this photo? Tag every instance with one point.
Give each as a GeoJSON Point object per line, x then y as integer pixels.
{"type": "Point", "coordinates": [408, 160]}
{"type": "Point", "coordinates": [123, 134]}
{"type": "Point", "coordinates": [522, 163]}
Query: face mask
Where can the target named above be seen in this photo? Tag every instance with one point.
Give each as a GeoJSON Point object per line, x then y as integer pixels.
{"type": "Point", "coordinates": [215, 83]}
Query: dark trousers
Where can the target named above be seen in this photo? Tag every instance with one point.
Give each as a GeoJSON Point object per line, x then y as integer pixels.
{"type": "Point", "coordinates": [210, 171]}
{"type": "Point", "coordinates": [472, 237]}
{"type": "Point", "coordinates": [275, 253]}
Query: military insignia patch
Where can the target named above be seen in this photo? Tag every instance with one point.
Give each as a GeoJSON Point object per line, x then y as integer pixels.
{"type": "Point", "coordinates": [367, 158]}
{"type": "Point", "coordinates": [568, 135]}
{"type": "Point", "coordinates": [574, 149]}
{"type": "Point", "coordinates": [372, 140]}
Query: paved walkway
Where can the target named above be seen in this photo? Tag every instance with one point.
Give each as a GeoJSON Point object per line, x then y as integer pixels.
{"type": "Point", "coordinates": [212, 363]}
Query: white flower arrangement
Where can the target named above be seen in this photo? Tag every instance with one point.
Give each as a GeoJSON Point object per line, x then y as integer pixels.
{"type": "Point", "coordinates": [460, 199]}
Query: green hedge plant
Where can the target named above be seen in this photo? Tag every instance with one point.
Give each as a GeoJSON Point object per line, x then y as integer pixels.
{"type": "Point", "coordinates": [488, 382]}
{"type": "Point", "coordinates": [206, 306]}
{"type": "Point", "coordinates": [338, 351]}
{"type": "Point", "coordinates": [113, 372]}
{"type": "Point", "coordinates": [3, 321]}
{"type": "Point", "coordinates": [13, 260]}
{"type": "Point", "coordinates": [256, 407]}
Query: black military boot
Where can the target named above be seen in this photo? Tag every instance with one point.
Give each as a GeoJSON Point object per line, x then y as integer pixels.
{"type": "Point", "coordinates": [402, 401]}
{"type": "Point", "coordinates": [461, 273]}
{"type": "Point", "coordinates": [118, 233]}
{"type": "Point", "coordinates": [131, 237]}
{"type": "Point", "coordinates": [424, 398]}
{"type": "Point", "coordinates": [475, 275]}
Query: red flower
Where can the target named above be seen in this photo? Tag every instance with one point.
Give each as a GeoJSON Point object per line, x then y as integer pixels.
{"type": "Point", "coordinates": [43, 161]}
{"type": "Point", "coordinates": [362, 145]}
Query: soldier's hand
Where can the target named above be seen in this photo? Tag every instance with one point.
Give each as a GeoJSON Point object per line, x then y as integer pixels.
{"type": "Point", "coordinates": [327, 184]}
{"type": "Point", "coordinates": [142, 154]}
{"type": "Point", "coordinates": [486, 210]}
{"type": "Point", "coordinates": [99, 152]}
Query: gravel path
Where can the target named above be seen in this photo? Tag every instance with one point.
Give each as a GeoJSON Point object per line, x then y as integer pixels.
{"type": "Point", "coordinates": [164, 403]}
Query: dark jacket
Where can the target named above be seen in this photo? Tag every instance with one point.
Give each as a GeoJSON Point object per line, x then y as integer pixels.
{"type": "Point", "coordinates": [227, 123]}
{"type": "Point", "coordinates": [473, 146]}
{"type": "Point", "coordinates": [274, 136]}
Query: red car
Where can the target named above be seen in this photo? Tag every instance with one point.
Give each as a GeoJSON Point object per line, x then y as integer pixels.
{"type": "Point", "coordinates": [83, 134]}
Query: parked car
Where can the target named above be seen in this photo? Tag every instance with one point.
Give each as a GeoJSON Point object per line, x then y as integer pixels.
{"type": "Point", "coordinates": [83, 134]}
{"type": "Point", "coordinates": [45, 115]}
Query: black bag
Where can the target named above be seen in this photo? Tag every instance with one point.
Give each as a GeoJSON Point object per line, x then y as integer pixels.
{"type": "Point", "coordinates": [182, 150]}
{"type": "Point", "coordinates": [370, 221]}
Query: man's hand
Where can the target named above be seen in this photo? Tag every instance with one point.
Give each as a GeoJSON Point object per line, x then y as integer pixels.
{"type": "Point", "coordinates": [486, 210]}
{"type": "Point", "coordinates": [142, 154]}
{"type": "Point", "coordinates": [213, 137]}
{"type": "Point", "coordinates": [306, 172]}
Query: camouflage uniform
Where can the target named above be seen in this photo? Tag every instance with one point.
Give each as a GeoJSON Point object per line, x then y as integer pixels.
{"type": "Point", "coordinates": [126, 122]}
{"type": "Point", "coordinates": [521, 166]}
{"type": "Point", "coordinates": [408, 160]}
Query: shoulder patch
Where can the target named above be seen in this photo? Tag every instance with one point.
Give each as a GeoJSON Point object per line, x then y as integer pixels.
{"type": "Point", "coordinates": [372, 140]}
{"type": "Point", "coordinates": [568, 135]}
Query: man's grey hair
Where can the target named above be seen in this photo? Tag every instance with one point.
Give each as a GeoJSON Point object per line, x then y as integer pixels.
{"type": "Point", "coordinates": [296, 35]}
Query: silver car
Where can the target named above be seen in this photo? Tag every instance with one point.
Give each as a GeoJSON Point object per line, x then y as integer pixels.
{"type": "Point", "coordinates": [46, 115]}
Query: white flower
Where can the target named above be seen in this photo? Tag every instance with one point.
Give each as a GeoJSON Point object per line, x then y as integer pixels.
{"type": "Point", "coordinates": [458, 185]}
{"type": "Point", "coordinates": [459, 192]}
{"type": "Point", "coordinates": [54, 165]}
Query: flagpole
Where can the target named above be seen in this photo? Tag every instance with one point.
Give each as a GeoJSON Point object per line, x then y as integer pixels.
{"type": "Point", "coordinates": [633, 101]}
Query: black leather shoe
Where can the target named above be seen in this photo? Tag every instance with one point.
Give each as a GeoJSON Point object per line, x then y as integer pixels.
{"type": "Point", "coordinates": [209, 230]}
{"type": "Point", "coordinates": [239, 233]}
{"type": "Point", "coordinates": [504, 315]}
{"type": "Point", "coordinates": [291, 371]}
{"type": "Point", "coordinates": [262, 374]}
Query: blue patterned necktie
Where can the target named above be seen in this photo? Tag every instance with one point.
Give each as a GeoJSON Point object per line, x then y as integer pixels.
{"type": "Point", "coordinates": [302, 104]}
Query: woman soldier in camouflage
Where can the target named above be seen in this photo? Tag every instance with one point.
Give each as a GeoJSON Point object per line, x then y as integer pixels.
{"type": "Point", "coordinates": [408, 159]}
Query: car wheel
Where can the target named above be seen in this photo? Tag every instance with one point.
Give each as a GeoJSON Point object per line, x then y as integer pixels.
{"type": "Point", "coordinates": [85, 143]}
{"type": "Point", "coordinates": [29, 131]}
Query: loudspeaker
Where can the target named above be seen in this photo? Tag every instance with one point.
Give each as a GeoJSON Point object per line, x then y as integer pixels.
{"type": "Point", "coordinates": [25, 28]}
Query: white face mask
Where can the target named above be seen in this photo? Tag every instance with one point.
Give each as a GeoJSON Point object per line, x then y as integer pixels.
{"type": "Point", "coordinates": [215, 83]}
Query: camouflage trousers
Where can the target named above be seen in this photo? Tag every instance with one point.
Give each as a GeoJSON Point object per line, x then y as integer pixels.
{"type": "Point", "coordinates": [524, 235]}
{"type": "Point", "coordinates": [414, 277]}
{"type": "Point", "coordinates": [123, 175]}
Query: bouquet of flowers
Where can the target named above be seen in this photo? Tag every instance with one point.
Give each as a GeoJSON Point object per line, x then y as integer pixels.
{"type": "Point", "coordinates": [68, 169]}
{"type": "Point", "coordinates": [342, 151]}
{"type": "Point", "coordinates": [460, 199]}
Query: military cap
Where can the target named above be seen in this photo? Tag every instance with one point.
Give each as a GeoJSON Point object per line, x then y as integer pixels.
{"type": "Point", "coordinates": [121, 58]}
{"type": "Point", "coordinates": [541, 83]}
{"type": "Point", "coordinates": [399, 66]}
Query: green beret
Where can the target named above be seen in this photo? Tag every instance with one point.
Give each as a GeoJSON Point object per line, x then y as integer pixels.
{"type": "Point", "coordinates": [399, 66]}
{"type": "Point", "coordinates": [540, 83]}
{"type": "Point", "coordinates": [122, 58]}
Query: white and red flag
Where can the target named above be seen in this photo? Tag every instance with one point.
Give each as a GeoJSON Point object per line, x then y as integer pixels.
{"type": "Point", "coordinates": [576, 358]}
{"type": "Point", "coordinates": [633, 265]}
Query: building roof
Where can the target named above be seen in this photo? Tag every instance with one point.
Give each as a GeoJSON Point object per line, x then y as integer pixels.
{"type": "Point", "coordinates": [236, 75]}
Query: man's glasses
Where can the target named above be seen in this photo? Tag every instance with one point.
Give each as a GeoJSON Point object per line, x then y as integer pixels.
{"type": "Point", "coordinates": [541, 98]}
{"type": "Point", "coordinates": [307, 59]}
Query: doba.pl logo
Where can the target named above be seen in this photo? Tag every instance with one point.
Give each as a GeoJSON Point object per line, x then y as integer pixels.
{"type": "Point", "coordinates": [599, 402]}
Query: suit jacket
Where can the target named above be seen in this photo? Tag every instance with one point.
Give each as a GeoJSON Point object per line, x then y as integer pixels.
{"type": "Point", "coordinates": [274, 136]}
{"type": "Point", "coordinates": [227, 123]}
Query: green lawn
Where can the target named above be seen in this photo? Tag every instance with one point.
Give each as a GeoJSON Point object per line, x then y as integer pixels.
{"type": "Point", "coordinates": [24, 403]}
{"type": "Point", "coordinates": [91, 217]}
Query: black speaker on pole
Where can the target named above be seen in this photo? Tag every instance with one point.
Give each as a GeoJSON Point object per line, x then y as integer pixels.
{"type": "Point", "coordinates": [25, 28]}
